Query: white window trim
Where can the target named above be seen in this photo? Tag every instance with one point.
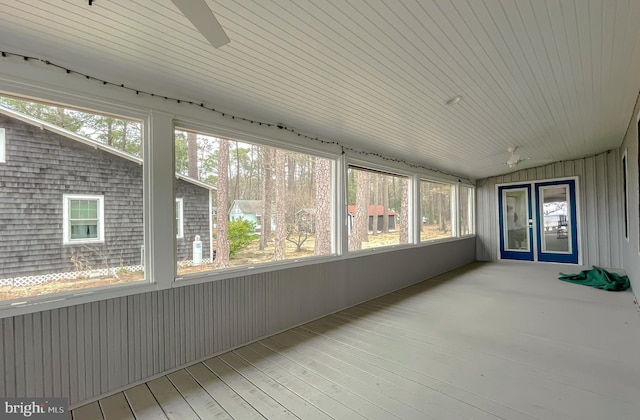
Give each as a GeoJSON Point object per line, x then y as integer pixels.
{"type": "Point", "coordinates": [385, 170]}
{"type": "Point", "coordinates": [158, 196]}
{"type": "Point", "coordinates": [3, 154]}
{"type": "Point", "coordinates": [625, 173]}
{"type": "Point", "coordinates": [180, 218]}
{"type": "Point", "coordinates": [66, 240]}
{"type": "Point", "coordinates": [471, 208]}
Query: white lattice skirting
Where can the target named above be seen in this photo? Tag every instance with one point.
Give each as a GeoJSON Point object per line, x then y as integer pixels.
{"type": "Point", "coordinates": [89, 274]}
{"type": "Point", "coordinates": [71, 275]}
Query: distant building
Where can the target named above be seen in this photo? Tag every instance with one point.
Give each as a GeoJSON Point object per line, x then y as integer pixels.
{"type": "Point", "coordinates": [250, 210]}
{"type": "Point", "coordinates": [391, 215]}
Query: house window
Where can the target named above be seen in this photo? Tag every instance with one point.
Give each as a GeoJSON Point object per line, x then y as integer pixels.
{"type": "Point", "coordinates": [378, 209]}
{"type": "Point", "coordinates": [83, 219]}
{"type": "Point", "coordinates": [437, 205]}
{"type": "Point", "coordinates": [271, 204]}
{"type": "Point", "coordinates": [179, 218]}
{"type": "Point", "coordinates": [2, 146]}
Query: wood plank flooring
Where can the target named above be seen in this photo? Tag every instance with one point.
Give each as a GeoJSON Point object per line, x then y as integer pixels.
{"type": "Point", "coordinates": [487, 341]}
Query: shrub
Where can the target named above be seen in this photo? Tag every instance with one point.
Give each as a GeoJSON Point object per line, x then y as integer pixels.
{"type": "Point", "coordinates": [240, 234]}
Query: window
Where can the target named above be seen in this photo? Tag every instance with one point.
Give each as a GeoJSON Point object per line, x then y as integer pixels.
{"type": "Point", "coordinates": [436, 205]}
{"type": "Point", "coordinates": [625, 195]}
{"type": "Point", "coordinates": [377, 208]}
{"type": "Point", "coordinates": [83, 219]}
{"type": "Point", "coordinates": [271, 204]}
{"type": "Point", "coordinates": [179, 218]}
{"type": "Point", "coordinates": [2, 146]}
{"type": "Point", "coordinates": [466, 209]}
{"type": "Point", "coordinates": [71, 200]}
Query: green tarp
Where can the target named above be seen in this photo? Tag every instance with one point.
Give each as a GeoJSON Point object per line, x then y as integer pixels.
{"type": "Point", "coordinates": [598, 278]}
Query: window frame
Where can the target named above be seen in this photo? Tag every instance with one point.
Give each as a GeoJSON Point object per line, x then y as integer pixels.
{"type": "Point", "coordinates": [472, 212]}
{"type": "Point", "coordinates": [454, 204]}
{"type": "Point", "coordinates": [119, 106]}
{"type": "Point", "coordinates": [66, 220]}
{"type": "Point", "coordinates": [3, 146]}
{"type": "Point", "coordinates": [363, 165]}
{"type": "Point", "coordinates": [625, 193]}
{"type": "Point", "coordinates": [159, 205]}
{"type": "Point", "coordinates": [214, 130]}
{"type": "Point", "coordinates": [180, 218]}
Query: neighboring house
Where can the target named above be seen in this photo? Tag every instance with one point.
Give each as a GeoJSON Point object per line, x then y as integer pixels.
{"type": "Point", "coordinates": [250, 210]}
{"type": "Point", "coordinates": [391, 215]}
{"type": "Point", "coordinates": [70, 203]}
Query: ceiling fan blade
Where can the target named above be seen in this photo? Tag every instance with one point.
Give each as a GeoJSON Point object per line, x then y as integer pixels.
{"type": "Point", "coordinates": [204, 21]}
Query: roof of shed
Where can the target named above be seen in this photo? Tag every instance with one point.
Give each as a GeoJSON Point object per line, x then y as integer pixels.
{"type": "Point", "coordinates": [351, 209]}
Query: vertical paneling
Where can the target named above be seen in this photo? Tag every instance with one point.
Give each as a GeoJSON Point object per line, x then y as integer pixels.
{"type": "Point", "coordinates": [103, 349]}
{"type": "Point", "coordinates": [598, 207]}
{"type": "Point", "coordinates": [615, 205]}
{"type": "Point", "coordinates": [47, 349]}
{"type": "Point", "coordinates": [87, 350]}
{"type": "Point", "coordinates": [29, 357]}
{"type": "Point", "coordinates": [630, 250]}
{"type": "Point", "coordinates": [3, 387]}
{"type": "Point", "coordinates": [9, 360]}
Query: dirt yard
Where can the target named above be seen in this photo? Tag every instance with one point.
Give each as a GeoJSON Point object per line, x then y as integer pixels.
{"type": "Point", "coordinates": [57, 286]}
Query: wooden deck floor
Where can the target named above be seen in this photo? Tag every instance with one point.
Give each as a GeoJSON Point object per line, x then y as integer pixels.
{"type": "Point", "coordinates": [489, 341]}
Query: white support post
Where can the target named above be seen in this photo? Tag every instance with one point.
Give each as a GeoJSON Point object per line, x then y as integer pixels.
{"type": "Point", "coordinates": [159, 200]}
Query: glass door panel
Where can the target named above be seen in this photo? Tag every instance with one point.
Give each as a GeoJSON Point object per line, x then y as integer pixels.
{"type": "Point", "coordinates": [515, 213]}
{"type": "Point", "coordinates": [517, 234]}
{"type": "Point", "coordinates": [556, 228]}
{"type": "Point", "coordinates": [556, 219]}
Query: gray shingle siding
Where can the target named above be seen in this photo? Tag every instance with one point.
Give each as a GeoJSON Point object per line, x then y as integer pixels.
{"type": "Point", "coordinates": [195, 219]}
{"type": "Point", "coordinates": [40, 168]}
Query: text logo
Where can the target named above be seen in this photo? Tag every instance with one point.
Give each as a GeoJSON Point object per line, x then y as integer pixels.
{"type": "Point", "coordinates": [34, 408]}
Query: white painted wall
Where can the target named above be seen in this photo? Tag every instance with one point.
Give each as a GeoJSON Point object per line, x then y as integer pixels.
{"type": "Point", "coordinates": [630, 248]}
{"type": "Point", "coordinates": [599, 207]}
{"type": "Point", "coordinates": [87, 350]}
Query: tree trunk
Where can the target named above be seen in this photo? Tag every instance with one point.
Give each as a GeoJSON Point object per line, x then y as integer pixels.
{"type": "Point", "coordinates": [60, 117]}
{"type": "Point", "coordinates": [110, 132]}
{"type": "Point", "coordinates": [385, 204]}
{"type": "Point", "coordinates": [124, 136]}
{"type": "Point", "coordinates": [376, 185]}
{"type": "Point", "coordinates": [267, 193]}
{"type": "Point", "coordinates": [360, 231]}
{"type": "Point", "coordinates": [323, 207]}
{"type": "Point", "coordinates": [404, 212]}
{"type": "Point", "coordinates": [192, 154]}
{"type": "Point", "coordinates": [237, 194]}
{"type": "Point", "coordinates": [281, 223]}
{"type": "Point", "coordinates": [222, 243]}
{"type": "Point", "coordinates": [291, 173]}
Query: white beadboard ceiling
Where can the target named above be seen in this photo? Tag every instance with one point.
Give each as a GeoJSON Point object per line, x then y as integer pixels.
{"type": "Point", "coordinates": [557, 78]}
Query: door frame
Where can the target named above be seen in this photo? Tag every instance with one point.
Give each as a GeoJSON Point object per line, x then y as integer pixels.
{"type": "Point", "coordinates": [535, 225]}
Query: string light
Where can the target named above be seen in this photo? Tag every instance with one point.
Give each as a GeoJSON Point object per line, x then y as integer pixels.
{"type": "Point", "coordinates": [344, 149]}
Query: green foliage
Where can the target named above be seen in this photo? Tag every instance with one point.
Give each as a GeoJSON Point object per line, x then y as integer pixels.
{"type": "Point", "coordinates": [120, 133]}
{"type": "Point", "coordinates": [181, 158]}
{"type": "Point", "coordinates": [240, 234]}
